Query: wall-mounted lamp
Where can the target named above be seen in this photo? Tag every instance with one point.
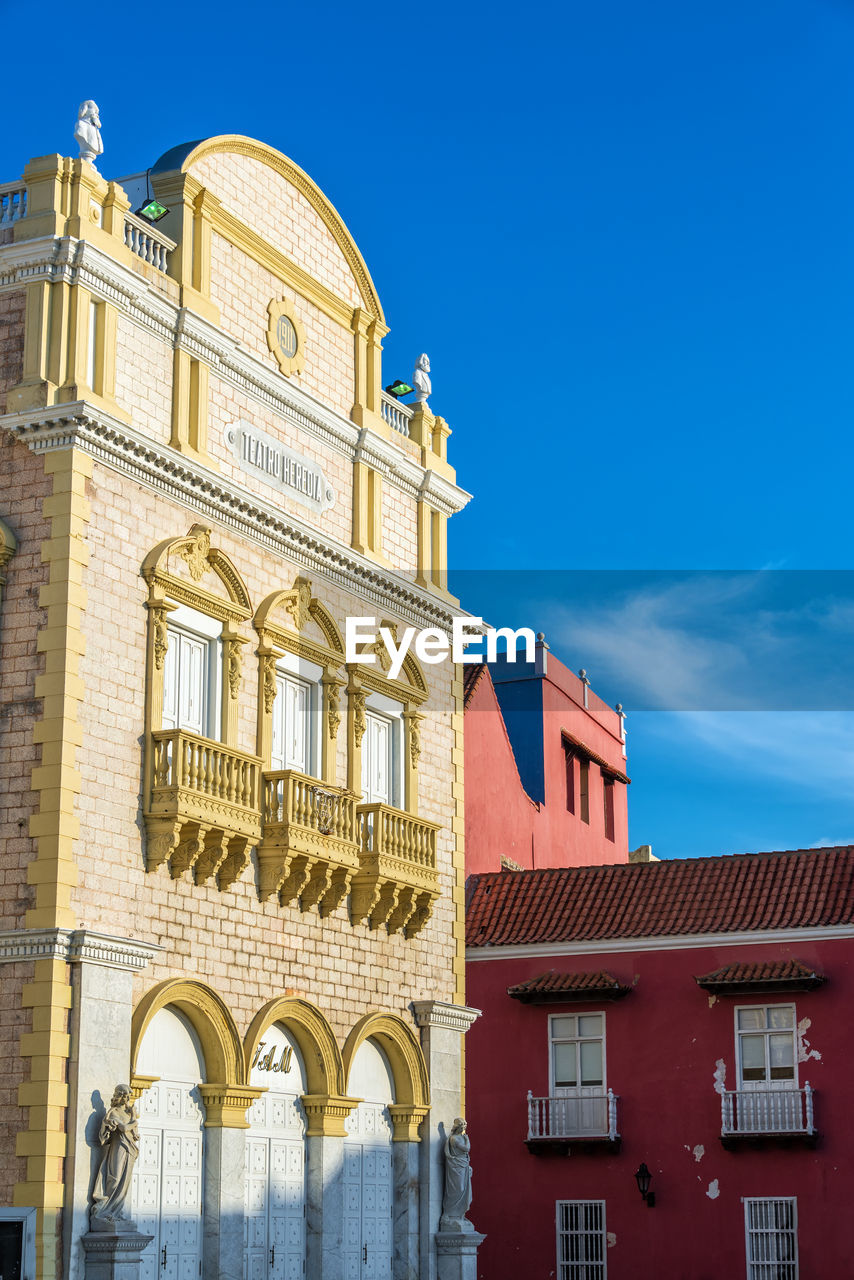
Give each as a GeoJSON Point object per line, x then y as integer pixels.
{"type": "Point", "coordinates": [399, 388]}
{"type": "Point", "coordinates": [643, 1178]}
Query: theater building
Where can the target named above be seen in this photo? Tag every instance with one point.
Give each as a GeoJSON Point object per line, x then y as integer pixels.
{"type": "Point", "coordinates": [232, 861]}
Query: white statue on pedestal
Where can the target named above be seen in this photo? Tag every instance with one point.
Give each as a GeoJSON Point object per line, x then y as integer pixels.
{"type": "Point", "coordinates": [457, 1198]}
{"type": "Point", "coordinates": [421, 379]}
{"type": "Point", "coordinates": [87, 132]}
{"type": "Point", "coordinates": [119, 1140]}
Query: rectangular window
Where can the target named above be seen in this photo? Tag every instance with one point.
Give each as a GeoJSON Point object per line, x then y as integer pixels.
{"type": "Point", "coordinates": [766, 1046]}
{"type": "Point", "coordinates": [569, 764]}
{"type": "Point", "coordinates": [577, 1050]}
{"type": "Point", "coordinates": [584, 789]}
{"type": "Point", "coordinates": [378, 760]}
{"type": "Point", "coordinates": [187, 677]}
{"type": "Point", "coordinates": [581, 1240]}
{"type": "Point", "coordinates": [608, 789]}
{"type": "Point", "coordinates": [771, 1229]}
{"type": "Point", "coordinates": [292, 725]}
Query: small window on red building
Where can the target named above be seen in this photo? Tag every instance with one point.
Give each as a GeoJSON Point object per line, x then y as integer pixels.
{"type": "Point", "coordinates": [569, 762]}
{"type": "Point", "coordinates": [608, 789]}
{"type": "Point", "coordinates": [584, 789]}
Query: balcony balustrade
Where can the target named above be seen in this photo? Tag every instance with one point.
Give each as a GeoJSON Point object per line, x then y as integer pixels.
{"type": "Point", "coordinates": [310, 845]}
{"type": "Point", "coordinates": [588, 1119]}
{"type": "Point", "coordinates": [13, 202]}
{"type": "Point", "coordinates": [203, 810]}
{"type": "Point", "coordinates": [767, 1114]}
{"type": "Point", "coordinates": [397, 882]}
{"type": "Point", "coordinates": [397, 415]}
{"type": "Point", "coordinates": [152, 246]}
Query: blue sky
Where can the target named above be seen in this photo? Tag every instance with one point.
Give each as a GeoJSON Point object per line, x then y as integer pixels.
{"type": "Point", "coordinates": [623, 233]}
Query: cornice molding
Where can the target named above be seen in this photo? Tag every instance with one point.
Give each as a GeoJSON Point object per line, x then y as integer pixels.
{"type": "Point", "coordinates": [79, 262]}
{"type": "Point", "coordinates": [680, 942]}
{"type": "Point", "coordinates": [450, 1017]}
{"type": "Point", "coordinates": [158, 467]}
{"type": "Point", "coordinates": [75, 946]}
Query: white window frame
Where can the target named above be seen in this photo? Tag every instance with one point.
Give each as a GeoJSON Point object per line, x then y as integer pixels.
{"type": "Point", "coordinates": [198, 626]}
{"type": "Point", "coordinates": [392, 711]}
{"type": "Point", "coordinates": [28, 1218]}
{"type": "Point", "coordinates": [582, 1268]}
{"type": "Point", "coordinates": [769, 1268]}
{"type": "Point", "coordinates": [594, 1013]}
{"type": "Point", "coordinates": [769, 1084]}
{"type": "Point", "coordinates": [308, 674]}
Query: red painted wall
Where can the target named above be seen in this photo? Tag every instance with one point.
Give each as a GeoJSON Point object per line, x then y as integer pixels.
{"type": "Point", "coordinates": [662, 1044]}
{"type": "Point", "coordinates": [501, 819]}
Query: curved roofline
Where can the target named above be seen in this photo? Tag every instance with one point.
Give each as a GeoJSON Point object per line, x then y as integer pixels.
{"type": "Point", "coordinates": [179, 159]}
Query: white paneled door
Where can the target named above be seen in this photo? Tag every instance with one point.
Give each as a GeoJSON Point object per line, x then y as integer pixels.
{"type": "Point", "coordinates": [368, 1194]}
{"type": "Point", "coordinates": [167, 1183]}
{"type": "Point", "coordinates": [275, 1190]}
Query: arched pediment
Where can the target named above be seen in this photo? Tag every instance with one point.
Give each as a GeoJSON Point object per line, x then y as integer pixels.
{"type": "Point", "coordinates": [410, 684]}
{"type": "Point", "coordinates": [401, 1047]}
{"type": "Point", "coordinates": [210, 1019]}
{"type": "Point", "coordinates": [285, 612]}
{"type": "Point", "coordinates": [193, 571]}
{"type": "Point", "coordinates": [184, 157]}
{"type": "Point", "coordinates": [318, 1046]}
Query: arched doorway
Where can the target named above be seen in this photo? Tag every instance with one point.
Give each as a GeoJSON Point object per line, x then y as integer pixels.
{"type": "Point", "coordinates": [166, 1197]}
{"type": "Point", "coordinates": [274, 1230]}
{"type": "Point", "coordinates": [368, 1192]}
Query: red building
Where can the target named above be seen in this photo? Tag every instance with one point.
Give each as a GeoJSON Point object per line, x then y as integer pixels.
{"type": "Point", "coordinates": [544, 766]}
{"type": "Point", "coordinates": [690, 1016]}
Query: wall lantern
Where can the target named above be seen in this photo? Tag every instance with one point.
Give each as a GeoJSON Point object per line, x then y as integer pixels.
{"type": "Point", "coordinates": [399, 388]}
{"type": "Point", "coordinates": [643, 1178]}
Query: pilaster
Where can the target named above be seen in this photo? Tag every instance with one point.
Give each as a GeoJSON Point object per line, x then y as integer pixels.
{"type": "Point", "coordinates": [442, 1027]}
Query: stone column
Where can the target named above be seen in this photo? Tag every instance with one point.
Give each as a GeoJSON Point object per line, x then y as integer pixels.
{"type": "Point", "coordinates": [101, 1011]}
{"type": "Point", "coordinates": [225, 1176]}
{"type": "Point", "coordinates": [406, 1157]}
{"type": "Point", "coordinates": [442, 1028]}
{"type": "Point", "coordinates": [324, 1207]}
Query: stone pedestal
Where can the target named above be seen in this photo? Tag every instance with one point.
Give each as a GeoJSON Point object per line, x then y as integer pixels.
{"type": "Point", "coordinates": [457, 1254]}
{"type": "Point", "coordinates": [113, 1257]}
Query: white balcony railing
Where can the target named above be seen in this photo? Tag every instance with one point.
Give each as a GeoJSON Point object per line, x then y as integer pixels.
{"type": "Point", "coordinates": [13, 202]}
{"type": "Point", "coordinates": [150, 245]}
{"type": "Point", "coordinates": [397, 415]}
{"type": "Point", "coordinates": [573, 1117]}
{"type": "Point", "coordinates": [748, 1112]}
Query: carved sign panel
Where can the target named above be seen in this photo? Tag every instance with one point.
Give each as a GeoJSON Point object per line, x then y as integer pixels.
{"type": "Point", "coordinates": [260, 455]}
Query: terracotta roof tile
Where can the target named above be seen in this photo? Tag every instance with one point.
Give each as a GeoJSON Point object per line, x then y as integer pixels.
{"type": "Point", "coordinates": [472, 676]}
{"type": "Point", "coordinates": [751, 891]}
{"type": "Point", "coordinates": [788, 975]}
{"type": "Point", "coordinates": [553, 986]}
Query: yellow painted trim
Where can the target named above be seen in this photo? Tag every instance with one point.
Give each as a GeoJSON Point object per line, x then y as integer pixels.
{"type": "Point", "coordinates": [324, 1066]}
{"type": "Point", "coordinates": [401, 1047]}
{"type": "Point", "coordinates": [236, 144]}
{"type": "Point", "coordinates": [54, 826]}
{"type": "Point", "coordinates": [8, 547]}
{"type": "Point", "coordinates": [196, 550]}
{"type": "Point", "coordinates": [210, 1019]}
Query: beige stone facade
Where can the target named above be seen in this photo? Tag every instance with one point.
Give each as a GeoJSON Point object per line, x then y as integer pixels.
{"type": "Point", "coordinates": [178, 487]}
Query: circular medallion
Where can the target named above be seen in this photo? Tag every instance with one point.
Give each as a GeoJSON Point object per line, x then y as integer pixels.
{"type": "Point", "coordinates": [286, 336]}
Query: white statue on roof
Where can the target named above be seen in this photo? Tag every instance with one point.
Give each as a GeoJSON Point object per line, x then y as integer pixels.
{"type": "Point", "coordinates": [87, 131]}
{"type": "Point", "coordinates": [421, 379]}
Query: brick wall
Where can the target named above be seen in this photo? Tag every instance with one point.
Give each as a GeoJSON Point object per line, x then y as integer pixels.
{"type": "Point", "coordinates": [247, 950]}
{"type": "Point", "coordinates": [11, 341]}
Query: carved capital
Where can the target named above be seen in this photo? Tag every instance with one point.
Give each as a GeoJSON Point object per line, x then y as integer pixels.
{"type": "Point", "coordinates": [406, 1119]}
{"type": "Point", "coordinates": [226, 1104]}
{"type": "Point", "coordinates": [161, 637]}
{"type": "Point", "coordinates": [326, 1113]}
{"type": "Point", "coordinates": [234, 661]}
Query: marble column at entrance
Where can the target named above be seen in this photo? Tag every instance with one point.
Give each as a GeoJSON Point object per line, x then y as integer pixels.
{"type": "Point", "coordinates": [225, 1177]}
{"type": "Point", "coordinates": [324, 1185]}
{"type": "Point", "coordinates": [442, 1028]}
{"type": "Point", "coordinates": [406, 1160]}
{"type": "Point", "coordinates": [102, 972]}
